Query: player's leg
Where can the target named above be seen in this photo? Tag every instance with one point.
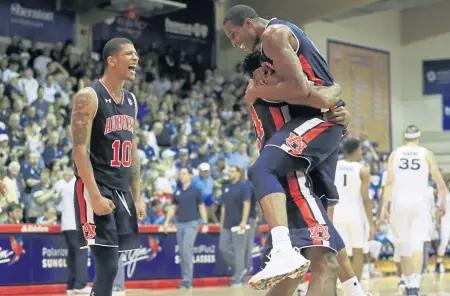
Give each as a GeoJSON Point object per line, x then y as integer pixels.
{"type": "Point", "coordinates": [295, 147]}
{"type": "Point", "coordinates": [357, 243]}
{"type": "Point", "coordinates": [100, 234]}
{"type": "Point", "coordinates": [311, 231]}
{"type": "Point", "coordinates": [445, 238]}
{"type": "Point", "coordinates": [323, 181]}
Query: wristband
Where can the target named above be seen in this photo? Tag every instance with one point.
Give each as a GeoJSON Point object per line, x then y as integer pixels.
{"type": "Point", "coordinates": [341, 103]}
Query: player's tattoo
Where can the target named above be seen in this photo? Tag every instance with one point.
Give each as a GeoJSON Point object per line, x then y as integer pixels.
{"type": "Point", "coordinates": [80, 102]}
{"type": "Point", "coordinates": [79, 128]}
{"type": "Point", "coordinates": [135, 168]}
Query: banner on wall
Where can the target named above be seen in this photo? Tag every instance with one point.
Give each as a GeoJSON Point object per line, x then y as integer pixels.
{"type": "Point", "coordinates": [446, 113]}
{"type": "Point", "coordinates": [34, 258]}
{"type": "Point", "coordinates": [364, 75]}
{"type": "Point", "coordinates": [191, 29]}
{"type": "Point", "coordinates": [436, 77]}
{"type": "Point", "coordinates": [37, 20]}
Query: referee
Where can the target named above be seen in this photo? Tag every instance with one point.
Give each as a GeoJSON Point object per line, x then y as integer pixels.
{"type": "Point", "coordinates": [235, 202]}
{"type": "Point", "coordinates": [189, 206]}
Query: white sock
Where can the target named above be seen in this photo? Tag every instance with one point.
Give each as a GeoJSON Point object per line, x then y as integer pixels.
{"type": "Point", "coordinates": [366, 269]}
{"type": "Point", "coordinates": [402, 278]}
{"type": "Point", "coordinates": [417, 280]}
{"type": "Point", "coordinates": [280, 237]}
{"type": "Point", "coordinates": [439, 260]}
{"type": "Point", "coordinates": [409, 281]}
{"type": "Point", "coordinates": [352, 287]}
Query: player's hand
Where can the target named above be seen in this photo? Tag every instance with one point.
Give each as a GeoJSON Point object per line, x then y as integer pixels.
{"type": "Point", "coordinates": [339, 116]}
{"type": "Point", "coordinates": [242, 226]}
{"type": "Point", "coordinates": [443, 209]}
{"type": "Point", "coordinates": [205, 229]}
{"type": "Point", "coordinates": [249, 95]}
{"type": "Point", "coordinates": [102, 206]}
{"type": "Point", "coordinates": [141, 212]}
{"type": "Point", "coordinates": [259, 76]}
{"type": "Point", "coordinates": [3, 190]}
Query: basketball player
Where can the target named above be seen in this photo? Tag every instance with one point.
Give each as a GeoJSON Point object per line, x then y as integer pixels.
{"type": "Point", "coordinates": [107, 193]}
{"type": "Point", "coordinates": [409, 168]}
{"type": "Point", "coordinates": [445, 236]}
{"type": "Point", "coordinates": [351, 286]}
{"type": "Point", "coordinates": [296, 141]}
{"type": "Point", "coordinates": [352, 182]}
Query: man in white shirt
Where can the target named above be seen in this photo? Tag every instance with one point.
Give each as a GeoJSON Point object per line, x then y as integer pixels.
{"type": "Point", "coordinates": [29, 85]}
{"type": "Point", "coordinates": [77, 259]}
{"type": "Point", "coordinates": [409, 168]}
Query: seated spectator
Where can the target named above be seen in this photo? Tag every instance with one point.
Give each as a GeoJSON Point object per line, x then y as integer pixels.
{"type": "Point", "coordinates": [49, 217]}
{"type": "Point", "coordinates": [43, 195]}
{"type": "Point", "coordinates": [14, 214]}
{"type": "Point", "coordinates": [205, 183]}
{"type": "Point", "coordinates": [11, 193]}
{"type": "Point", "coordinates": [155, 214]}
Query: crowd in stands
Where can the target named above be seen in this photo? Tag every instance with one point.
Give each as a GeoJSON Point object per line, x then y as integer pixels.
{"type": "Point", "coordinates": [189, 116]}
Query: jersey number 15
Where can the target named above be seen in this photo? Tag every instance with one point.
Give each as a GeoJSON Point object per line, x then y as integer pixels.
{"type": "Point", "coordinates": [412, 164]}
{"type": "Point", "coordinates": [125, 160]}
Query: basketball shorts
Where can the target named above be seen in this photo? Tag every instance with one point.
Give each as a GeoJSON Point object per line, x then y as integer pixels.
{"type": "Point", "coordinates": [354, 235]}
{"type": "Point", "coordinates": [118, 229]}
{"type": "Point", "coordinates": [313, 147]}
{"type": "Point", "coordinates": [308, 221]}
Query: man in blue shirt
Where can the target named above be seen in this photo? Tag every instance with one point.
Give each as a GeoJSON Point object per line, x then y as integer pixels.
{"type": "Point", "coordinates": [189, 206]}
{"type": "Point", "coordinates": [235, 202]}
{"type": "Point", "coordinates": [205, 183]}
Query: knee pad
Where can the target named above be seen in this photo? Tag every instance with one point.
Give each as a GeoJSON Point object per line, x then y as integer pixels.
{"type": "Point", "coordinates": [264, 179]}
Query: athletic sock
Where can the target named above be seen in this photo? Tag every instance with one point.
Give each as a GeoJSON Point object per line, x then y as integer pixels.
{"type": "Point", "coordinates": [281, 238]}
{"type": "Point", "coordinates": [352, 287]}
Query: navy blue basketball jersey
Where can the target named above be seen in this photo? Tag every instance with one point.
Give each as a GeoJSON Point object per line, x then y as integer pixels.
{"type": "Point", "coordinates": [112, 138]}
{"type": "Point", "coordinates": [313, 64]}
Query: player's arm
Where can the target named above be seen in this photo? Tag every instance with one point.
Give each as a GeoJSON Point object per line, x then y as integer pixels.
{"type": "Point", "coordinates": [438, 179]}
{"type": "Point", "coordinates": [365, 183]}
{"type": "Point", "coordinates": [293, 87]}
{"type": "Point", "coordinates": [85, 105]}
{"type": "Point", "coordinates": [388, 188]}
{"type": "Point", "coordinates": [135, 186]}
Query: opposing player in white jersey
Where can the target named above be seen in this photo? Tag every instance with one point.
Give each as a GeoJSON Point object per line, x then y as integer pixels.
{"type": "Point", "coordinates": [355, 207]}
{"type": "Point", "coordinates": [409, 168]}
{"type": "Point", "coordinates": [445, 236]}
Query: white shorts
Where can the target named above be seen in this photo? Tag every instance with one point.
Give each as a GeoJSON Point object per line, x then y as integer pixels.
{"type": "Point", "coordinates": [409, 224]}
{"type": "Point", "coordinates": [354, 235]}
{"type": "Point", "coordinates": [445, 229]}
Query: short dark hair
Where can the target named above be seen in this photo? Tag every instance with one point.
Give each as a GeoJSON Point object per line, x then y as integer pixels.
{"type": "Point", "coordinates": [252, 61]}
{"type": "Point", "coordinates": [190, 171]}
{"type": "Point", "coordinates": [350, 145]}
{"type": "Point", "coordinates": [238, 168]}
{"type": "Point", "coordinates": [12, 207]}
{"type": "Point", "coordinates": [238, 13]}
{"type": "Point", "coordinates": [112, 46]}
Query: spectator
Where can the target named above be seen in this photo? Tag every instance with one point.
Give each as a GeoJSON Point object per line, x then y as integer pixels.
{"type": "Point", "coordinates": [205, 183]}
{"type": "Point", "coordinates": [14, 214]}
{"type": "Point", "coordinates": [43, 197]}
{"type": "Point", "coordinates": [29, 85]}
{"type": "Point", "coordinates": [11, 194]}
{"type": "Point", "coordinates": [49, 217]}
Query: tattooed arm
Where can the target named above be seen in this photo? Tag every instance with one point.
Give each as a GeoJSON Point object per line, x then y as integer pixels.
{"type": "Point", "coordinates": [85, 105]}
{"type": "Point", "coordinates": [279, 45]}
{"type": "Point", "coordinates": [135, 163]}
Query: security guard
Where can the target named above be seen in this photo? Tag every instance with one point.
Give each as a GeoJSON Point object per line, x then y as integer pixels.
{"type": "Point", "coordinates": [189, 206]}
{"type": "Point", "coordinates": [235, 202]}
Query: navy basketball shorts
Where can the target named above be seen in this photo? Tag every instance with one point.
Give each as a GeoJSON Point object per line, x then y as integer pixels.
{"type": "Point", "coordinates": [118, 229]}
{"type": "Point", "coordinates": [308, 222]}
{"type": "Point", "coordinates": [311, 146]}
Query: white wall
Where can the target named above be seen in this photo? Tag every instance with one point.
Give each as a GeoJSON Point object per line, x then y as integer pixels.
{"type": "Point", "coordinates": [379, 31]}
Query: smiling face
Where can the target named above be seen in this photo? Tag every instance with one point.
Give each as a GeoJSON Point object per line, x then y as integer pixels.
{"type": "Point", "coordinates": [124, 61]}
{"type": "Point", "coordinates": [244, 36]}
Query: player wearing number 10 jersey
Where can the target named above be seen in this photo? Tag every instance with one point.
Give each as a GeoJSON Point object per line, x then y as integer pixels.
{"type": "Point", "coordinates": [107, 194]}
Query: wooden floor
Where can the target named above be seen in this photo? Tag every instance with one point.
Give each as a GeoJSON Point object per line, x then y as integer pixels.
{"type": "Point", "coordinates": [431, 285]}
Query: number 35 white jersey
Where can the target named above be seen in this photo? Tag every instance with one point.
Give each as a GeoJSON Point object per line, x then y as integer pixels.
{"type": "Point", "coordinates": [411, 172]}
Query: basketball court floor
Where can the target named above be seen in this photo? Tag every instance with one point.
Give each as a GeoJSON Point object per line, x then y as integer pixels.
{"type": "Point", "coordinates": [432, 285]}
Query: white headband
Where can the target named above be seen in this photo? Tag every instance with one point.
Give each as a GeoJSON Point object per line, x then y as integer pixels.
{"type": "Point", "coordinates": [412, 135]}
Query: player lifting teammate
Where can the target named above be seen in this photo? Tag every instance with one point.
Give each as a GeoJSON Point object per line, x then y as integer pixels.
{"type": "Point", "coordinates": [287, 153]}
{"type": "Point", "coordinates": [107, 193]}
{"type": "Point", "coordinates": [409, 168]}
